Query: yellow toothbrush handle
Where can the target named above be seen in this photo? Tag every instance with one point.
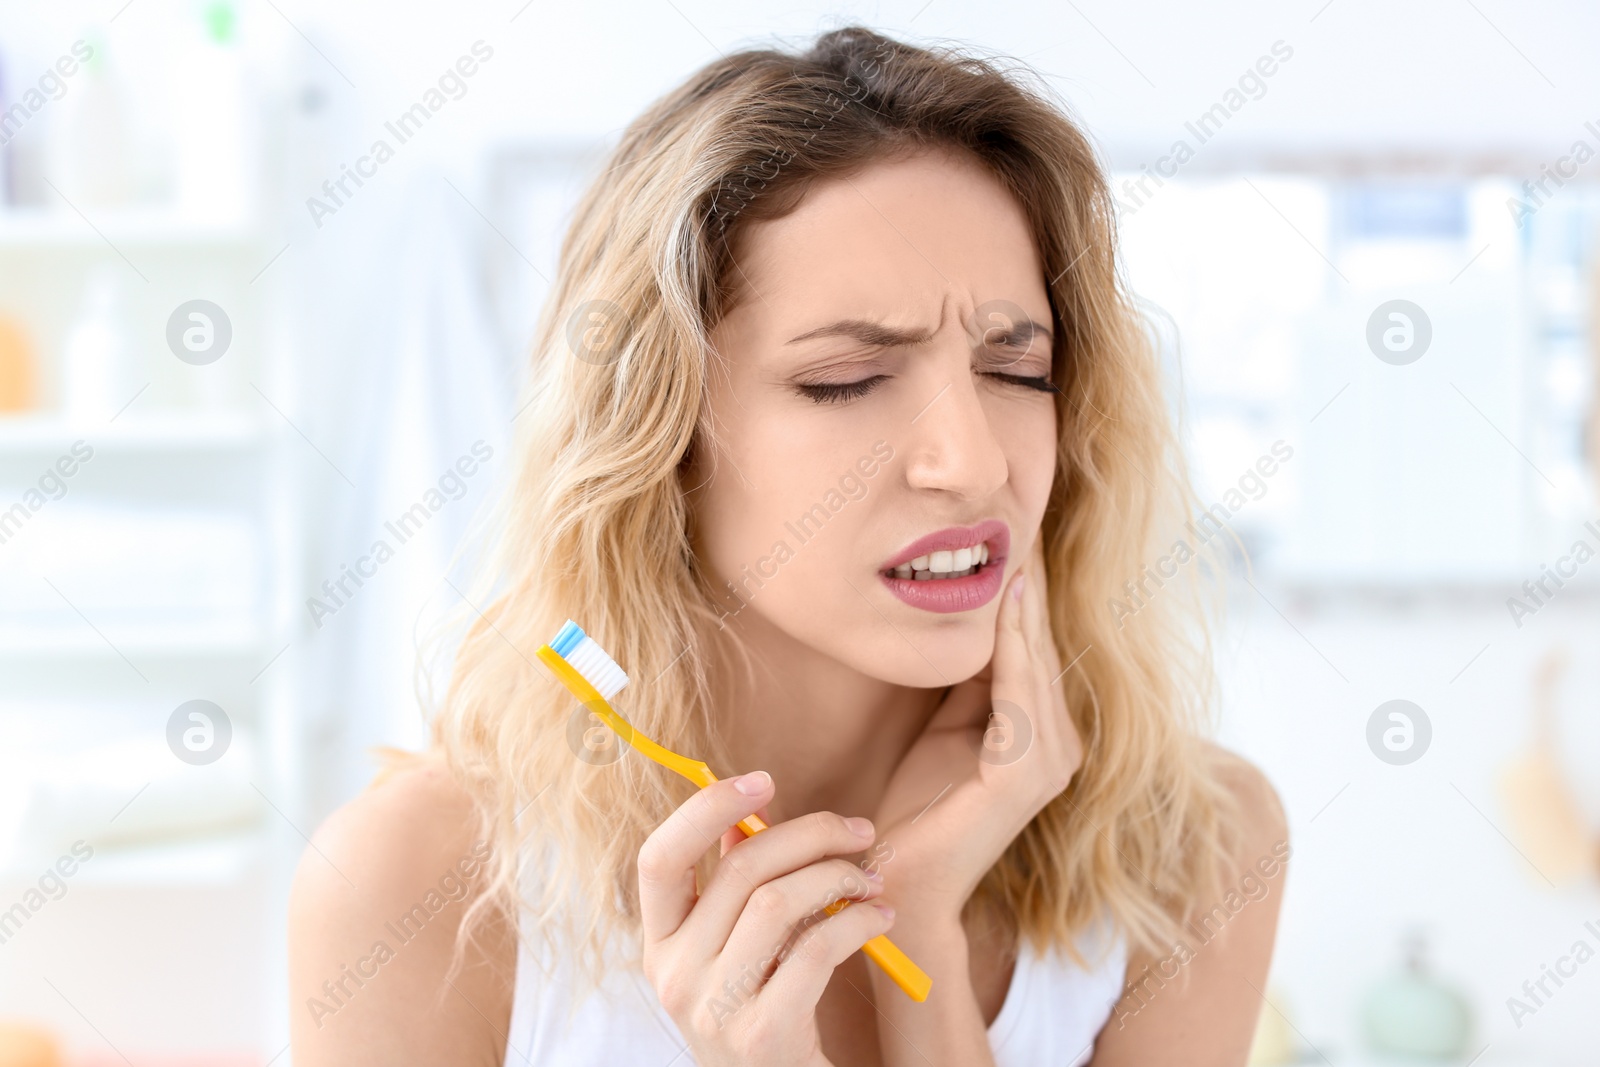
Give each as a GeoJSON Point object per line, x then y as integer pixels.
{"type": "Point", "coordinates": [898, 966]}
{"type": "Point", "coordinates": [752, 825]}
{"type": "Point", "coordinates": [880, 950]}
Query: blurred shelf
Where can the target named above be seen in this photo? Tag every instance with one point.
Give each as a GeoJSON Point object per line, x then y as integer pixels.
{"type": "Point", "coordinates": [205, 861]}
{"type": "Point", "coordinates": [32, 230]}
{"type": "Point", "coordinates": [1484, 591]}
{"type": "Point", "coordinates": [155, 641]}
{"type": "Point", "coordinates": [1487, 1058]}
{"type": "Point", "coordinates": [202, 861]}
{"type": "Point", "coordinates": [178, 431]}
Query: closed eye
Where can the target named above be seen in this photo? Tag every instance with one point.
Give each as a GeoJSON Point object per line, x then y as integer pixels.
{"type": "Point", "coordinates": [841, 392]}
{"type": "Point", "coordinates": [844, 392]}
{"type": "Point", "coordinates": [1043, 385]}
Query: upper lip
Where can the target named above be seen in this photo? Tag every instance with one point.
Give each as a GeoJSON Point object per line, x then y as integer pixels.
{"type": "Point", "coordinates": [991, 531]}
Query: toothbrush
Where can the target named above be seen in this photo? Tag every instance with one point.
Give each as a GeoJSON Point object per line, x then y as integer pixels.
{"type": "Point", "coordinates": [580, 664]}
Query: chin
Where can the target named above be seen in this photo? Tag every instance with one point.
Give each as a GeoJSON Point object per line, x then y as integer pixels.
{"type": "Point", "coordinates": [942, 655]}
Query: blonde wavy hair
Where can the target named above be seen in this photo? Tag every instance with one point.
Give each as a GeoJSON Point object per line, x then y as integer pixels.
{"type": "Point", "coordinates": [596, 526]}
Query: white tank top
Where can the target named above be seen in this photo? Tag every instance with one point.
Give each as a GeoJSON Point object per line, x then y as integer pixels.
{"type": "Point", "coordinates": [1052, 1013]}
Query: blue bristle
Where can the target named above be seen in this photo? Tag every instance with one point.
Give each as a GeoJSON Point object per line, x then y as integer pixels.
{"type": "Point", "coordinates": [567, 639]}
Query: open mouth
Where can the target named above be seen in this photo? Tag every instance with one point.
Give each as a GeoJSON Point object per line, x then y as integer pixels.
{"type": "Point", "coordinates": [959, 568]}
{"type": "Point", "coordinates": [943, 564]}
{"type": "Point", "coordinates": [954, 552]}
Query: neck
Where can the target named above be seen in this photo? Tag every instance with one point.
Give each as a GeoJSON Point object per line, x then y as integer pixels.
{"type": "Point", "coordinates": [829, 735]}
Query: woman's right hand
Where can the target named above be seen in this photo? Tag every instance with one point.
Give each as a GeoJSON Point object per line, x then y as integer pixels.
{"type": "Point", "coordinates": [741, 966]}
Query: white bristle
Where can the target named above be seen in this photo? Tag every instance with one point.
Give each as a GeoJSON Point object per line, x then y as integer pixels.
{"type": "Point", "coordinates": [601, 671]}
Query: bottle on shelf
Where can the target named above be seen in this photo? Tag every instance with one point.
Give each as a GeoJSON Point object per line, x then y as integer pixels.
{"type": "Point", "coordinates": [1413, 1013]}
{"type": "Point", "coordinates": [89, 157]}
{"type": "Point", "coordinates": [94, 358]}
{"type": "Point", "coordinates": [18, 371]}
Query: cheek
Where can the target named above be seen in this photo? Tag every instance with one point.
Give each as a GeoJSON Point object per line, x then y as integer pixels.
{"type": "Point", "coordinates": [806, 572]}
{"type": "Point", "coordinates": [783, 521]}
{"type": "Point", "coordinates": [1029, 440]}
{"type": "Point", "coordinates": [774, 517]}
{"type": "Point", "coordinates": [752, 485]}
{"type": "Point", "coordinates": [747, 538]}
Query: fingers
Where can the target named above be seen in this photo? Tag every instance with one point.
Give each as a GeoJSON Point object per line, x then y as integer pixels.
{"type": "Point", "coordinates": [764, 859]}
{"type": "Point", "coordinates": [1036, 608]}
{"type": "Point", "coordinates": [805, 970]}
{"type": "Point", "coordinates": [1054, 730]}
{"type": "Point", "coordinates": [766, 895]}
{"type": "Point", "coordinates": [668, 857]}
{"type": "Point", "coordinates": [785, 909]}
{"type": "Point", "coordinates": [1026, 666]}
{"type": "Point", "coordinates": [1013, 665]}
{"type": "Point", "coordinates": [734, 835]}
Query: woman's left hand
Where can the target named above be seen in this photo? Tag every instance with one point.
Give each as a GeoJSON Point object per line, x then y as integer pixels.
{"type": "Point", "coordinates": [972, 782]}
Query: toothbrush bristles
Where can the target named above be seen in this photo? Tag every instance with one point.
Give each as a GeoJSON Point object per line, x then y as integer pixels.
{"type": "Point", "coordinates": [590, 660]}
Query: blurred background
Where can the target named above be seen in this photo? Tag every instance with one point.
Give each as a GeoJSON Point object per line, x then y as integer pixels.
{"type": "Point", "coordinates": [268, 271]}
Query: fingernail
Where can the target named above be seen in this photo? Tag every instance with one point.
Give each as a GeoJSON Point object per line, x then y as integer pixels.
{"type": "Point", "coordinates": [888, 912]}
{"type": "Point", "coordinates": [753, 784]}
{"type": "Point", "coordinates": [874, 875]}
{"type": "Point", "coordinates": [1017, 584]}
{"type": "Point", "coordinates": [860, 827]}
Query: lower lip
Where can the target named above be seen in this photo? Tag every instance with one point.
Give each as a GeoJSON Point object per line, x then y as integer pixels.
{"type": "Point", "coordinates": [946, 596]}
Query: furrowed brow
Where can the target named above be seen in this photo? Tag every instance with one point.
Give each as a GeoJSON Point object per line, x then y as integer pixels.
{"type": "Point", "coordinates": [1023, 330]}
{"type": "Point", "coordinates": [868, 333]}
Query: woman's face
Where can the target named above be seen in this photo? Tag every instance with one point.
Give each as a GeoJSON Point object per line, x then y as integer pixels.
{"type": "Point", "coordinates": [878, 424]}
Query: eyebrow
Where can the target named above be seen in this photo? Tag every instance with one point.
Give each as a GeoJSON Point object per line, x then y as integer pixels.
{"type": "Point", "coordinates": [867, 332]}
{"type": "Point", "coordinates": [1028, 328]}
{"type": "Point", "coordinates": [881, 336]}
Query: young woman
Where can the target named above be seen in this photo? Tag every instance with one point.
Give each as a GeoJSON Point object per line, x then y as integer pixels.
{"type": "Point", "coordinates": [846, 442]}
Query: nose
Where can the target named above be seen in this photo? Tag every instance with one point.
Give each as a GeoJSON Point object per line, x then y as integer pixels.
{"type": "Point", "coordinates": [952, 444]}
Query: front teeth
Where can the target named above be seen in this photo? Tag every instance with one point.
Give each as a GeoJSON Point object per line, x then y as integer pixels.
{"type": "Point", "coordinates": [949, 563]}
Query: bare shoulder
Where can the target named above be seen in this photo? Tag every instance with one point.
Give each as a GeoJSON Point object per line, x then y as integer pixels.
{"type": "Point", "coordinates": [1198, 1004]}
{"type": "Point", "coordinates": [410, 818]}
{"type": "Point", "coordinates": [374, 913]}
{"type": "Point", "coordinates": [1262, 825]}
